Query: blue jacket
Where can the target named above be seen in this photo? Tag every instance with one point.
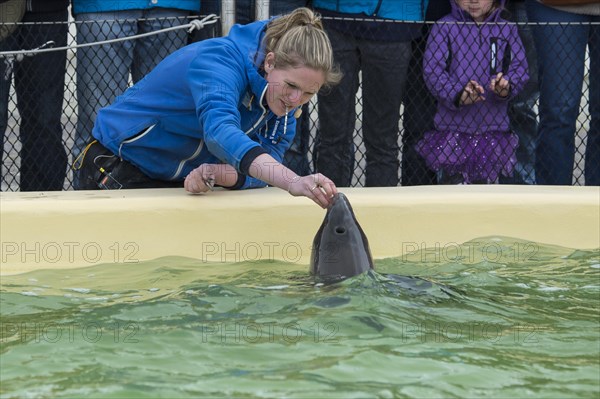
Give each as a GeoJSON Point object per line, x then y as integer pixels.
{"type": "Point", "coordinates": [201, 104]}
{"type": "Point", "coordinates": [81, 6]}
{"type": "Point", "coordinates": [403, 10]}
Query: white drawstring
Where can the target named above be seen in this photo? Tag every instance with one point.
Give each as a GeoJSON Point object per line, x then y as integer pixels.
{"type": "Point", "coordinates": [285, 121]}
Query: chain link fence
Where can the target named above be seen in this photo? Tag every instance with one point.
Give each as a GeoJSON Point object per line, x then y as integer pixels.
{"type": "Point", "coordinates": [401, 115]}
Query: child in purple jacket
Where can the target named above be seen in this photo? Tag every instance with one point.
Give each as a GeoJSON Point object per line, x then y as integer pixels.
{"type": "Point", "coordinates": [473, 65]}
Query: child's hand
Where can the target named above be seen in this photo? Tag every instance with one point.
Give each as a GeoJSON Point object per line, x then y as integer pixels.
{"type": "Point", "coordinates": [500, 86]}
{"type": "Point", "coordinates": [472, 93]}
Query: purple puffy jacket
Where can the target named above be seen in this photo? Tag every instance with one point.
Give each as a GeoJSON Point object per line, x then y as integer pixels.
{"type": "Point", "coordinates": [459, 50]}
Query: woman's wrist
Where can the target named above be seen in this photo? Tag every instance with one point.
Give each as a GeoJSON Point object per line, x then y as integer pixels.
{"type": "Point", "coordinates": [227, 176]}
{"type": "Point", "coordinates": [294, 180]}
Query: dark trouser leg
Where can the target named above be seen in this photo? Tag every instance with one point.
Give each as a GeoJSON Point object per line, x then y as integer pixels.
{"type": "Point", "coordinates": [592, 154]}
{"type": "Point", "coordinates": [561, 59]}
{"type": "Point", "coordinates": [117, 173]}
{"type": "Point", "coordinates": [384, 66]}
{"type": "Point", "coordinates": [419, 109]}
{"type": "Point", "coordinates": [337, 115]}
{"type": "Point", "coordinates": [5, 81]}
{"type": "Point", "coordinates": [39, 82]}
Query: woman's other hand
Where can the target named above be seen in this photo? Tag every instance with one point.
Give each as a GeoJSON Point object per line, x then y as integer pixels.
{"type": "Point", "coordinates": [201, 179]}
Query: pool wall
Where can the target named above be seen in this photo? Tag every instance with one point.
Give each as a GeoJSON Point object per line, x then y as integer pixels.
{"type": "Point", "coordinates": [72, 229]}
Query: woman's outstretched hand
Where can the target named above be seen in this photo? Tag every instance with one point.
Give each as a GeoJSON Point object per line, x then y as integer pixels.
{"type": "Point", "coordinates": [317, 187]}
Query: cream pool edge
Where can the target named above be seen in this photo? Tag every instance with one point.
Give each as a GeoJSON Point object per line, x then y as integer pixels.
{"type": "Point", "coordinates": [61, 230]}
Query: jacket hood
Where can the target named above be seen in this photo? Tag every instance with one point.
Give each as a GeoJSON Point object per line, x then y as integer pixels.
{"type": "Point", "coordinates": [461, 15]}
{"type": "Point", "coordinates": [248, 40]}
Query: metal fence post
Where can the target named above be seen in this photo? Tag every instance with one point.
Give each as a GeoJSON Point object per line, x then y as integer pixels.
{"type": "Point", "coordinates": [262, 9]}
{"type": "Point", "coordinates": [227, 16]}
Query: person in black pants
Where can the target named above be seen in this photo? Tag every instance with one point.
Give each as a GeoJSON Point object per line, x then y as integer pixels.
{"type": "Point", "coordinates": [376, 54]}
{"type": "Point", "coordinates": [39, 85]}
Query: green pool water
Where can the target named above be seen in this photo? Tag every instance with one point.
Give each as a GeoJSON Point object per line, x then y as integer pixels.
{"type": "Point", "coordinates": [503, 318]}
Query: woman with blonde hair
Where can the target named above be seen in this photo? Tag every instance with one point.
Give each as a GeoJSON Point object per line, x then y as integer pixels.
{"type": "Point", "coordinates": [217, 112]}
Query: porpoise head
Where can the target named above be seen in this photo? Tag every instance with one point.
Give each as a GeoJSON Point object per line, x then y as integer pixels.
{"type": "Point", "coordinates": [340, 248]}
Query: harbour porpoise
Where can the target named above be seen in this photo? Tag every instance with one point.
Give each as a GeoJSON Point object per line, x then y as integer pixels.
{"type": "Point", "coordinates": [340, 248]}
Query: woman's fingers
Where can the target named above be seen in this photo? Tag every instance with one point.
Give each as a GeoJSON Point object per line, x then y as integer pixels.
{"type": "Point", "coordinates": [199, 180]}
{"type": "Point", "coordinates": [323, 190]}
{"type": "Point", "coordinates": [317, 187]}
